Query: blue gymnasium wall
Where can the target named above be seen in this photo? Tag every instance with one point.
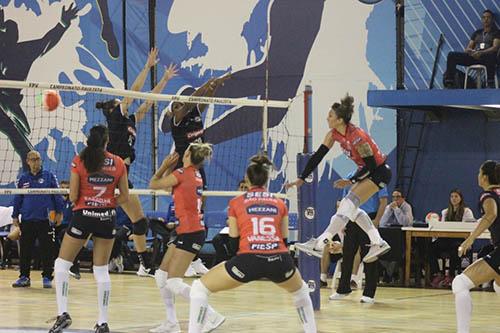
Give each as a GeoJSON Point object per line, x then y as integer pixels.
{"type": "Point", "coordinates": [313, 50]}
{"type": "Point", "coordinates": [453, 149]}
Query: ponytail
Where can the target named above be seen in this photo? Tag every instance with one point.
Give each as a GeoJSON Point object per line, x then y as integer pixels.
{"type": "Point", "coordinates": [259, 169]}
{"type": "Point", "coordinates": [93, 155]}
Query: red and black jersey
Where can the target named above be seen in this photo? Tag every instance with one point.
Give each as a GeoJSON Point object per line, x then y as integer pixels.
{"type": "Point", "coordinates": [97, 190]}
{"type": "Point", "coordinates": [187, 200]}
{"type": "Point", "coordinates": [495, 226]}
{"type": "Point", "coordinates": [355, 136]}
{"type": "Point", "coordinates": [259, 215]}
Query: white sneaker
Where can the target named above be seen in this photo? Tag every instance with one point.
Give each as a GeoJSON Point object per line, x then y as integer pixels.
{"type": "Point", "coordinates": [112, 265]}
{"type": "Point", "coordinates": [309, 248]}
{"type": "Point", "coordinates": [376, 250]}
{"type": "Point", "coordinates": [337, 296]}
{"type": "Point", "coordinates": [366, 299]}
{"type": "Point", "coordinates": [143, 271]}
{"type": "Point", "coordinates": [198, 267]}
{"type": "Point", "coordinates": [119, 264]}
{"type": "Point", "coordinates": [166, 327]}
{"type": "Point", "coordinates": [190, 272]}
{"type": "Point", "coordinates": [213, 321]}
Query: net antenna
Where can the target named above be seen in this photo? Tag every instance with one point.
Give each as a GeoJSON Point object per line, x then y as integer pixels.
{"type": "Point", "coordinates": [265, 109]}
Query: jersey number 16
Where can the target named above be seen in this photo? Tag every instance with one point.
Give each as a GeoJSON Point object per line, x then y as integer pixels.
{"type": "Point", "coordinates": [263, 226]}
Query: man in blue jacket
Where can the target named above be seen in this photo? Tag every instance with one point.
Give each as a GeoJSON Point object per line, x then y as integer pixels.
{"type": "Point", "coordinates": [35, 211]}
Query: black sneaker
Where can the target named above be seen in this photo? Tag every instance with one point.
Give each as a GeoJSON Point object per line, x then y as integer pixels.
{"type": "Point", "coordinates": [323, 284]}
{"type": "Point", "coordinates": [63, 321]}
{"type": "Point", "coordinates": [103, 328]}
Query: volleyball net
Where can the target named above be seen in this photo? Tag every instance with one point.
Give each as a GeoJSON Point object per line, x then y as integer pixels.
{"type": "Point", "coordinates": [237, 127]}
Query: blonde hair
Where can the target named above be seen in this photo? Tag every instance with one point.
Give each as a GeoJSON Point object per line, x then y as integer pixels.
{"type": "Point", "coordinates": [200, 152]}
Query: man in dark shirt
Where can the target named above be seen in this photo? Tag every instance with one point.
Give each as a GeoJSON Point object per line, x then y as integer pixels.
{"type": "Point", "coordinates": [482, 49]}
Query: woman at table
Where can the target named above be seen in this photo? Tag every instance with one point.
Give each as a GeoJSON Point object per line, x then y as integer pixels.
{"type": "Point", "coordinates": [457, 211]}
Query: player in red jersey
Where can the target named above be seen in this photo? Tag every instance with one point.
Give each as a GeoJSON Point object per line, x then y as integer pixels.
{"type": "Point", "coordinates": [95, 174]}
{"type": "Point", "coordinates": [258, 225]}
{"type": "Point", "coordinates": [187, 186]}
{"type": "Point", "coordinates": [372, 175]}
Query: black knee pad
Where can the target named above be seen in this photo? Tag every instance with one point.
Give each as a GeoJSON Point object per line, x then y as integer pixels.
{"type": "Point", "coordinates": [140, 227]}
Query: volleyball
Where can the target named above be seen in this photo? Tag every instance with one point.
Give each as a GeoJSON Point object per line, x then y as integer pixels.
{"type": "Point", "coordinates": [51, 100]}
{"type": "Point", "coordinates": [431, 217]}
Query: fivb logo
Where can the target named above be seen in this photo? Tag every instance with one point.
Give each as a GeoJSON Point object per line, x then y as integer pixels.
{"type": "Point", "coordinates": [309, 213]}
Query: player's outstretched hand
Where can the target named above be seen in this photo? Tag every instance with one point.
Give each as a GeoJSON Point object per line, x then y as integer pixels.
{"type": "Point", "coordinates": [170, 72]}
{"type": "Point", "coordinates": [170, 160]}
{"type": "Point", "coordinates": [68, 15]}
{"type": "Point", "coordinates": [298, 183]}
{"type": "Point", "coordinates": [342, 183]}
{"type": "Point", "coordinates": [152, 57]}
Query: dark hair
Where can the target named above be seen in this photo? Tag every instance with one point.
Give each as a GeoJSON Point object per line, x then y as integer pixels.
{"type": "Point", "coordinates": [399, 190]}
{"type": "Point", "coordinates": [93, 155]}
{"type": "Point", "coordinates": [345, 108]}
{"type": "Point", "coordinates": [65, 182]}
{"type": "Point", "coordinates": [492, 170]}
{"type": "Point", "coordinates": [452, 214]}
{"type": "Point", "coordinates": [200, 152]}
{"type": "Point", "coordinates": [258, 170]}
{"type": "Point", "coordinates": [490, 12]}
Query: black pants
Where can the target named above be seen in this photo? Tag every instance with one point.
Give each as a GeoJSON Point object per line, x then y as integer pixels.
{"type": "Point", "coordinates": [121, 239]}
{"type": "Point", "coordinates": [448, 246]}
{"type": "Point", "coordinates": [43, 231]}
{"type": "Point", "coordinates": [221, 246]}
{"type": "Point", "coordinates": [462, 58]}
{"type": "Point", "coordinates": [354, 239]}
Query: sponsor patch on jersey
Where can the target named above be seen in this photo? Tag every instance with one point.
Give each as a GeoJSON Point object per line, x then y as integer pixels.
{"type": "Point", "coordinates": [102, 215]}
{"type": "Point", "coordinates": [76, 231]}
{"type": "Point", "coordinates": [41, 180]}
{"type": "Point", "coordinates": [262, 210]}
{"type": "Point", "coordinates": [100, 179]}
{"type": "Point", "coordinates": [26, 185]}
{"type": "Point", "coordinates": [109, 162]}
{"type": "Point", "coordinates": [265, 247]}
{"type": "Point", "coordinates": [237, 272]}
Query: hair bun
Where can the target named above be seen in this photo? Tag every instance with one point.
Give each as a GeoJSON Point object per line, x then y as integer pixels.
{"type": "Point", "coordinates": [261, 160]}
{"type": "Point", "coordinates": [347, 101]}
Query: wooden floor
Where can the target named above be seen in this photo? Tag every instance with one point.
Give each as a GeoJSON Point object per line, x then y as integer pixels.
{"type": "Point", "coordinates": [257, 307]}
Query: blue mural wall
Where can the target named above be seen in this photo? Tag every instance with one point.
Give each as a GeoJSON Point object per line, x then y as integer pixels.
{"type": "Point", "coordinates": [256, 40]}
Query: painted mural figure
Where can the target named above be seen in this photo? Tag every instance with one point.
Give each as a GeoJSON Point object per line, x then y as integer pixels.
{"type": "Point", "coordinates": [288, 52]}
{"type": "Point", "coordinates": [16, 60]}
{"type": "Point", "coordinates": [107, 33]}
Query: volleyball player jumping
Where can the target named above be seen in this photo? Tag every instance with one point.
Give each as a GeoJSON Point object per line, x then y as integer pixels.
{"type": "Point", "coordinates": [122, 132]}
{"type": "Point", "coordinates": [95, 174]}
{"type": "Point", "coordinates": [372, 175]}
{"type": "Point", "coordinates": [258, 226]}
{"type": "Point", "coordinates": [187, 186]}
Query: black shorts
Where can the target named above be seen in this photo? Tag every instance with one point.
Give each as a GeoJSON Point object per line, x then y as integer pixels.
{"type": "Point", "coordinates": [381, 176]}
{"type": "Point", "coordinates": [130, 185]}
{"type": "Point", "coordinates": [493, 259]}
{"type": "Point", "coordinates": [98, 222]}
{"type": "Point", "coordinates": [249, 267]}
{"type": "Point", "coordinates": [191, 242]}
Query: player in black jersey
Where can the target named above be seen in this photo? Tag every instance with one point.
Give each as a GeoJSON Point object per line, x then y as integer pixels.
{"type": "Point", "coordinates": [122, 136]}
{"type": "Point", "coordinates": [186, 119]}
{"type": "Point", "coordinates": [488, 268]}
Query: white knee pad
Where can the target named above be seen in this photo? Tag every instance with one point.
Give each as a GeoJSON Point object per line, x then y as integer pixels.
{"type": "Point", "coordinates": [161, 278]}
{"type": "Point", "coordinates": [348, 209]}
{"type": "Point", "coordinates": [101, 274]}
{"type": "Point", "coordinates": [461, 283]}
{"type": "Point", "coordinates": [198, 290]}
{"type": "Point", "coordinates": [61, 265]}
{"type": "Point", "coordinates": [496, 287]}
{"type": "Point", "coordinates": [175, 285]}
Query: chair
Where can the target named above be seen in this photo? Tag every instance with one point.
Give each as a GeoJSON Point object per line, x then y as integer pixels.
{"type": "Point", "coordinates": [481, 71]}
